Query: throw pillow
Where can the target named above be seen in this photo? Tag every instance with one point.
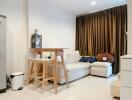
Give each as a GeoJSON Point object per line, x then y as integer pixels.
{"type": "Point", "coordinates": [88, 59]}
{"type": "Point", "coordinates": [91, 59]}
{"type": "Point", "coordinates": [83, 59]}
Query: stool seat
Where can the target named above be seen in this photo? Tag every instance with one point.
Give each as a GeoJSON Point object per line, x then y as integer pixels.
{"type": "Point", "coordinates": [39, 59]}
{"type": "Point", "coordinates": [103, 69]}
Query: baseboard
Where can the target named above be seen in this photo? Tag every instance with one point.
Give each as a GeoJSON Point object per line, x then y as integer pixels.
{"type": "Point", "coordinates": [2, 90]}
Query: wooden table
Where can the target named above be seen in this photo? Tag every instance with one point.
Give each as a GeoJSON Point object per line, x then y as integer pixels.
{"type": "Point", "coordinates": [57, 52]}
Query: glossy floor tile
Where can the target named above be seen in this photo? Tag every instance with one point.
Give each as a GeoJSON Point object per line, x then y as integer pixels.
{"type": "Point", "coordinates": [87, 88]}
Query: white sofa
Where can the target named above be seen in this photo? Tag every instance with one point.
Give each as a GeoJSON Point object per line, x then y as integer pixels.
{"type": "Point", "coordinates": [75, 69]}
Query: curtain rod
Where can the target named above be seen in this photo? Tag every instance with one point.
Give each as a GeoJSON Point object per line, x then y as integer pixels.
{"type": "Point", "coordinates": [100, 10]}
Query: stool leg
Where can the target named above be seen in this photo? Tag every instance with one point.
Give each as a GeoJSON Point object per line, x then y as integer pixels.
{"type": "Point", "coordinates": [35, 72]}
{"type": "Point", "coordinates": [44, 76]}
{"type": "Point", "coordinates": [65, 72]}
{"type": "Point", "coordinates": [30, 68]}
{"type": "Point", "coordinates": [55, 74]}
{"type": "Point", "coordinates": [46, 72]}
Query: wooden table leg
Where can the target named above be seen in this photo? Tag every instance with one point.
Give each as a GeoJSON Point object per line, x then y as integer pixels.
{"type": "Point", "coordinates": [65, 71]}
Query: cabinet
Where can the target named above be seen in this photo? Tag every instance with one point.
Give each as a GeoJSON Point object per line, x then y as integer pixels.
{"type": "Point", "coordinates": [2, 54]}
{"type": "Point", "coordinates": [126, 77]}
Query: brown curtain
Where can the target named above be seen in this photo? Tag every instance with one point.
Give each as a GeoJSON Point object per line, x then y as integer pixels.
{"type": "Point", "coordinates": [103, 31]}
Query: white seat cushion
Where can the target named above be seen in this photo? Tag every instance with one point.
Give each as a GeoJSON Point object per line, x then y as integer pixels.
{"type": "Point", "coordinates": [78, 65]}
{"type": "Point", "coordinates": [100, 64]}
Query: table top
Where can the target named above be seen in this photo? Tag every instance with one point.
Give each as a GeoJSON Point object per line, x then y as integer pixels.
{"type": "Point", "coordinates": [48, 49]}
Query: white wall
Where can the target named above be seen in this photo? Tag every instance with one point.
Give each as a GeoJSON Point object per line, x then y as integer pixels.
{"type": "Point", "coordinates": [129, 26]}
{"type": "Point", "coordinates": [56, 25]}
{"type": "Point", "coordinates": [16, 43]}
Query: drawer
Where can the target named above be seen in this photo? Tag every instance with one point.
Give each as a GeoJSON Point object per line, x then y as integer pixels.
{"type": "Point", "coordinates": [126, 78]}
{"type": "Point", "coordinates": [126, 93]}
{"type": "Point", "coordinates": [126, 64]}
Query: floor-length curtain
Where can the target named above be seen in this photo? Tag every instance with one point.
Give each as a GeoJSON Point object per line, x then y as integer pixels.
{"type": "Point", "coordinates": [103, 31]}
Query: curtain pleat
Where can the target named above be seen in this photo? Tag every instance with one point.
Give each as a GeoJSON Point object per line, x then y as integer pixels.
{"type": "Point", "coordinates": [103, 31]}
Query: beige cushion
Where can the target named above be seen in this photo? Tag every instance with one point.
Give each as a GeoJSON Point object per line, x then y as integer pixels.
{"type": "Point", "coordinates": [100, 64]}
{"type": "Point", "coordinates": [71, 56]}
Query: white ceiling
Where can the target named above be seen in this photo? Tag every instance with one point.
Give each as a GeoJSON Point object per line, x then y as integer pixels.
{"type": "Point", "coordinates": [78, 7]}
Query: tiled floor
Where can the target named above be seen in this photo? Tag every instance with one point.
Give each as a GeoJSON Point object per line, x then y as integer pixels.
{"type": "Point", "coordinates": [88, 88]}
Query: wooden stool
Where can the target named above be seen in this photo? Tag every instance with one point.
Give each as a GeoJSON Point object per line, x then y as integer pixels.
{"type": "Point", "coordinates": [41, 78]}
{"type": "Point", "coordinates": [44, 76]}
{"type": "Point", "coordinates": [33, 70]}
{"type": "Point", "coordinates": [57, 52]}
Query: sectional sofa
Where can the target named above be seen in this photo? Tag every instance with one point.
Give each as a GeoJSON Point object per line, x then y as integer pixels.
{"type": "Point", "coordinates": [76, 69]}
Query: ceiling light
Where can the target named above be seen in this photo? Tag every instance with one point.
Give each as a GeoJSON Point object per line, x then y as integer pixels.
{"type": "Point", "coordinates": [93, 3]}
